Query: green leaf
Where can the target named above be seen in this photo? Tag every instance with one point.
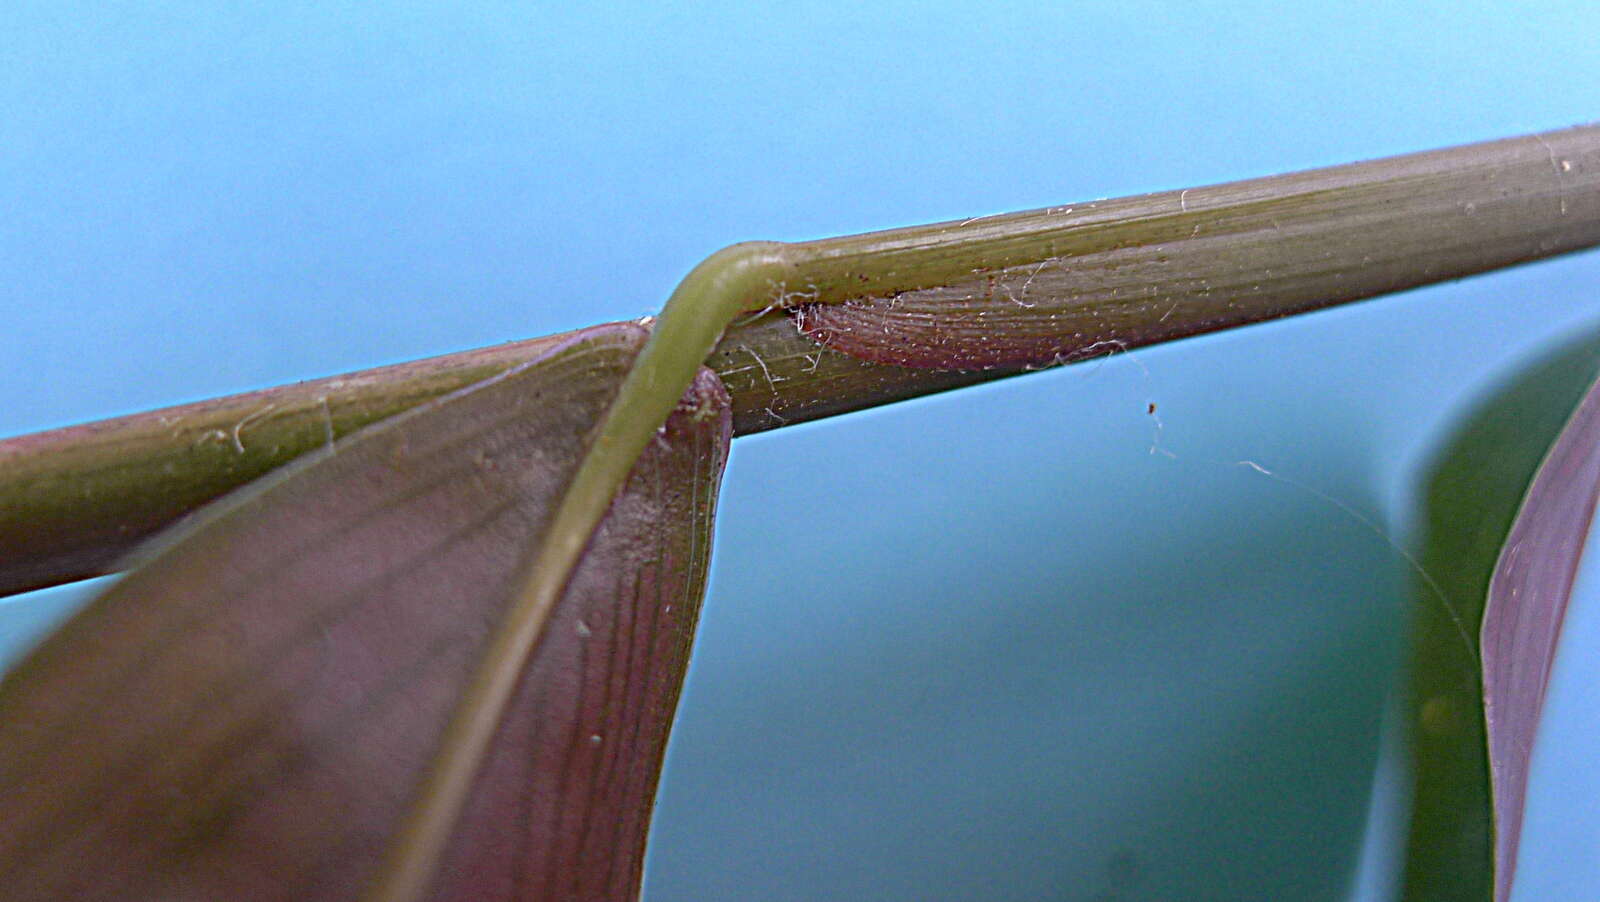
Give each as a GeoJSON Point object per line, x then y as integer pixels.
{"type": "Point", "coordinates": [251, 712]}
{"type": "Point", "coordinates": [1475, 488]}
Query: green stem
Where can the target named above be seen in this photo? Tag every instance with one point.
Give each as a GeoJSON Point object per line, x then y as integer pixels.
{"type": "Point", "coordinates": [1102, 276]}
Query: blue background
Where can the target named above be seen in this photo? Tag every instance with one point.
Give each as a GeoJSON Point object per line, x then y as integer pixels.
{"type": "Point", "coordinates": [982, 645]}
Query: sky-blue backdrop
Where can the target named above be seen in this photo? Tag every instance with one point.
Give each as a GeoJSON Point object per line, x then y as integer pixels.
{"type": "Point", "coordinates": [985, 645]}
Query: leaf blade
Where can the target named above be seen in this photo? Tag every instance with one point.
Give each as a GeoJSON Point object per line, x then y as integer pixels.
{"type": "Point", "coordinates": [1523, 616]}
{"type": "Point", "coordinates": [1473, 492]}
{"type": "Point", "coordinates": [219, 765]}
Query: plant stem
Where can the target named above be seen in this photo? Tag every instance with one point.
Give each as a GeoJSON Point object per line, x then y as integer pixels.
{"type": "Point", "coordinates": [1093, 278]}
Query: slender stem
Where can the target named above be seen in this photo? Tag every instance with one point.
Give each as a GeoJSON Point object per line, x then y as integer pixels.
{"type": "Point", "coordinates": [1067, 282]}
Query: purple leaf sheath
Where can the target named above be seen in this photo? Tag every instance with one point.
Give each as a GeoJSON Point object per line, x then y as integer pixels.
{"type": "Point", "coordinates": [1523, 614]}
{"type": "Point", "coordinates": [248, 714]}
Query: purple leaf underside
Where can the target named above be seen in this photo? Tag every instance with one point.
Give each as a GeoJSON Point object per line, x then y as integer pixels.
{"type": "Point", "coordinates": [248, 713]}
{"type": "Point", "coordinates": [1523, 615]}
